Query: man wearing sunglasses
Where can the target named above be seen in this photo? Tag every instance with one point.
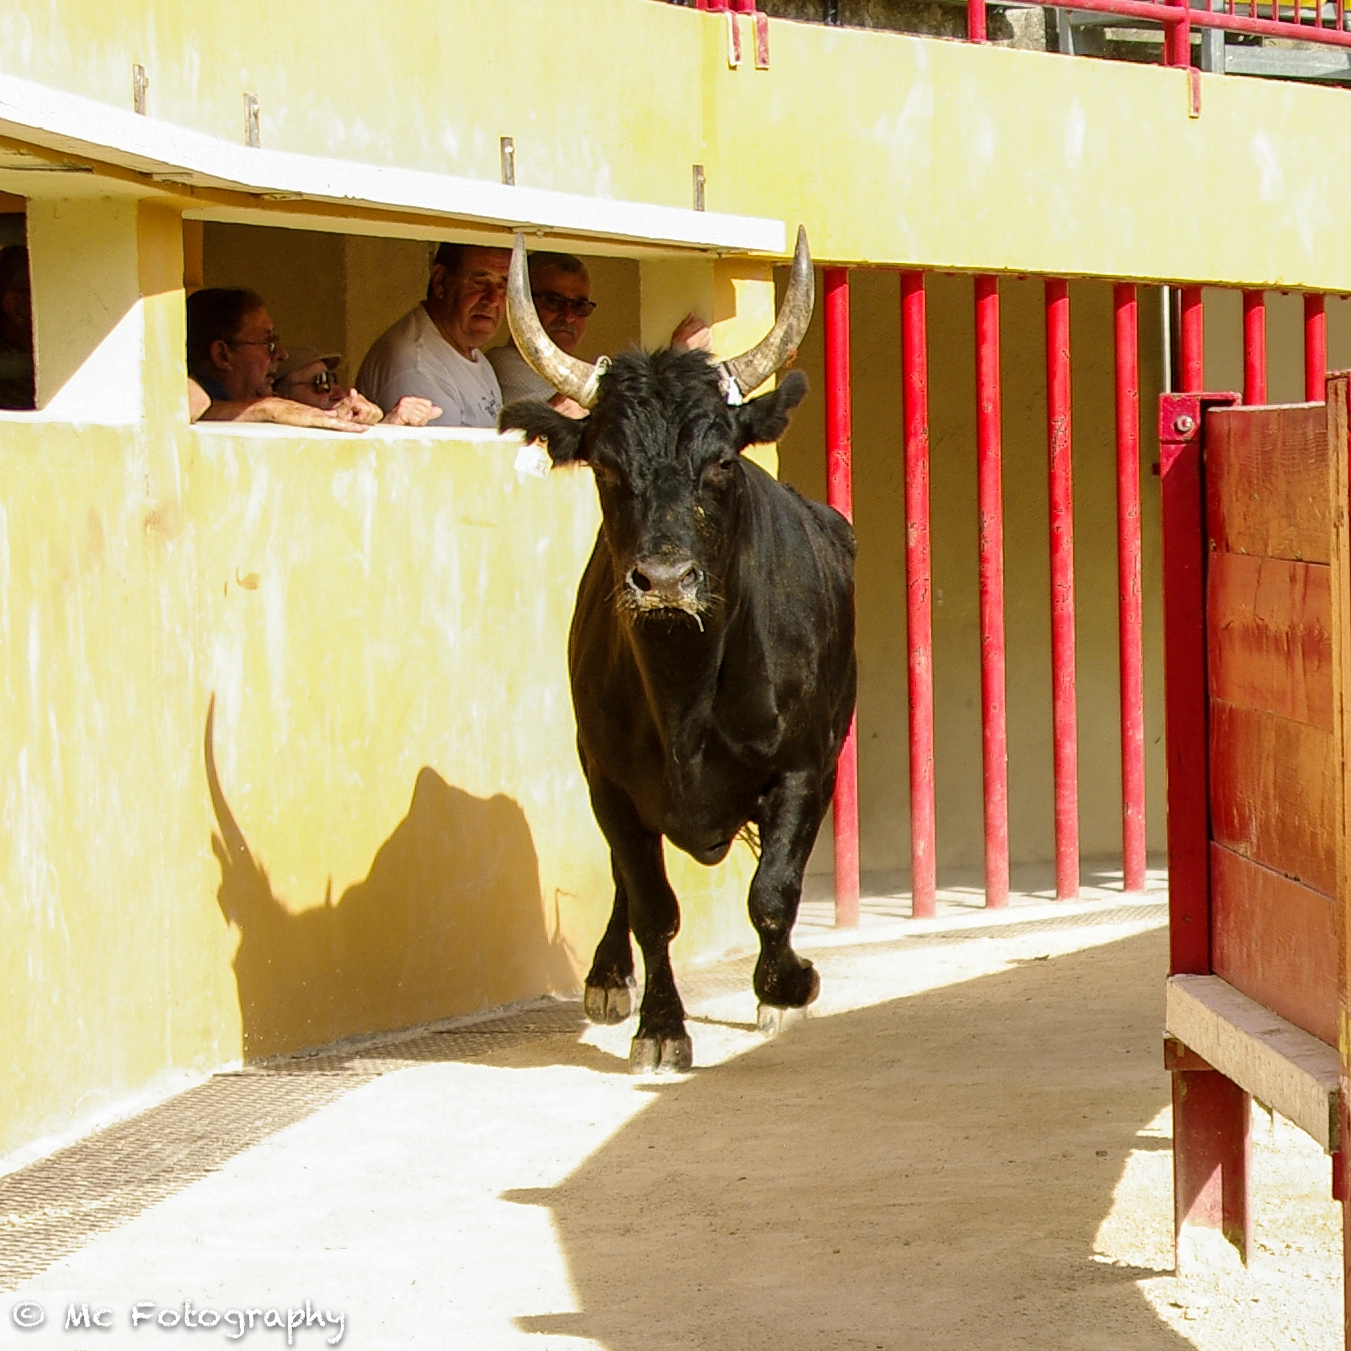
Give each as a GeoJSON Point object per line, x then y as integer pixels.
{"type": "Point", "coordinates": [561, 287]}
{"type": "Point", "coordinates": [310, 377]}
{"type": "Point", "coordinates": [562, 290]}
{"type": "Point", "coordinates": [233, 354]}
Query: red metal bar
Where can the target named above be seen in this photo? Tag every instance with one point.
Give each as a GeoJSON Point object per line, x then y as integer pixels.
{"type": "Point", "coordinates": [975, 20]}
{"type": "Point", "coordinates": [1184, 676]}
{"type": "Point", "coordinates": [1193, 341]}
{"type": "Point", "coordinates": [840, 495]}
{"type": "Point", "coordinates": [1177, 40]}
{"type": "Point", "coordinates": [1172, 17]}
{"type": "Point", "coordinates": [1315, 347]}
{"type": "Point", "coordinates": [1130, 612]}
{"type": "Point", "coordinates": [1212, 1150]}
{"type": "Point", "coordinates": [1254, 347]}
{"type": "Point", "coordinates": [989, 494]}
{"type": "Point", "coordinates": [918, 597]}
{"type": "Point", "coordinates": [1064, 713]}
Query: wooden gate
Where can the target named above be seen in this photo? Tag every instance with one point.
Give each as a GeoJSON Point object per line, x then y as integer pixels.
{"type": "Point", "coordinates": [1257, 663]}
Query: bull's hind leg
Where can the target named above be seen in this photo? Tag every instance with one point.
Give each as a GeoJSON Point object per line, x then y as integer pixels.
{"type": "Point", "coordinates": [610, 984]}
{"type": "Point", "coordinates": [789, 817]}
{"type": "Point", "coordinates": [661, 1042]}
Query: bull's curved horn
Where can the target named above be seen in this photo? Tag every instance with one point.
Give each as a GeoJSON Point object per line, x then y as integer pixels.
{"type": "Point", "coordinates": [577, 379]}
{"type": "Point", "coordinates": [750, 370]}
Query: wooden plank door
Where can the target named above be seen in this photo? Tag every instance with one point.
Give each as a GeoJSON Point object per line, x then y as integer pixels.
{"type": "Point", "coordinates": [1273, 757]}
{"type": "Point", "coordinates": [1257, 641]}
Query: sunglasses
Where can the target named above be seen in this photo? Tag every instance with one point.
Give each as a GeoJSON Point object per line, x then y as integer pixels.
{"type": "Point", "coordinates": [552, 303]}
{"type": "Point", "coordinates": [320, 384]}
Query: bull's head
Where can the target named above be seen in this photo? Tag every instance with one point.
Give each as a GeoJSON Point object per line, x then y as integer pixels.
{"type": "Point", "coordinates": [664, 436]}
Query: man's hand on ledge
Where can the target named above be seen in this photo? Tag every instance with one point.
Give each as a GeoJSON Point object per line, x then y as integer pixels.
{"type": "Point", "coordinates": [410, 411]}
{"type": "Point", "coordinates": [287, 412]}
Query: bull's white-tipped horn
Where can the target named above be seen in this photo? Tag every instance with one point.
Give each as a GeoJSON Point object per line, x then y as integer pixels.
{"type": "Point", "coordinates": [577, 379]}
{"type": "Point", "coordinates": [750, 370]}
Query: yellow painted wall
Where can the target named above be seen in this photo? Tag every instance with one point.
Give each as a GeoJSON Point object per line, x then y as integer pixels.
{"type": "Point", "coordinates": [890, 148]}
{"type": "Point", "coordinates": [404, 833]}
{"type": "Point", "coordinates": [383, 626]}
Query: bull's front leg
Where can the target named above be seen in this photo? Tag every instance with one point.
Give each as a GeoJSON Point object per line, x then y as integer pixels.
{"type": "Point", "coordinates": [661, 1042]}
{"type": "Point", "coordinates": [610, 984]}
{"type": "Point", "coordinates": [789, 817]}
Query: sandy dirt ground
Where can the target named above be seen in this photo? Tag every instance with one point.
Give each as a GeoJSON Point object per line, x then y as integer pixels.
{"type": "Point", "coordinates": [966, 1146]}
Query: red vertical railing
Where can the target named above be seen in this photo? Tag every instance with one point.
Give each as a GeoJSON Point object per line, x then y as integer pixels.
{"type": "Point", "coordinates": [1130, 603]}
{"type": "Point", "coordinates": [990, 508]}
{"type": "Point", "coordinates": [840, 495]}
{"type": "Point", "coordinates": [1064, 714]}
{"type": "Point", "coordinates": [1193, 362]}
{"type": "Point", "coordinates": [918, 596]}
{"type": "Point", "coordinates": [1315, 347]}
{"type": "Point", "coordinates": [975, 20]}
{"type": "Point", "coordinates": [1254, 347]}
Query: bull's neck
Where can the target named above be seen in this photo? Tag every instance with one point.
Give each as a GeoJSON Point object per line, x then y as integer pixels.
{"type": "Point", "coordinates": [679, 665]}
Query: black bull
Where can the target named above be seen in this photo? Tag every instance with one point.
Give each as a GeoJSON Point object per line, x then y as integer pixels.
{"type": "Point", "coordinates": [712, 667]}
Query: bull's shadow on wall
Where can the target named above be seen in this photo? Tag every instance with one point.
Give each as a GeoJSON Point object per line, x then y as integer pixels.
{"type": "Point", "coordinates": [447, 921]}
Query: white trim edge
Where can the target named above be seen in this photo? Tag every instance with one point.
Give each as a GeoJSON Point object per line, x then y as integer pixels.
{"type": "Point", "coordinates": [72, 124]}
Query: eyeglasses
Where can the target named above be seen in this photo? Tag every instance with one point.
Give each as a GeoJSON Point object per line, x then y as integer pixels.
{"type": "Point", "coordinates": [320, 384]}
{"type": "Point", "coordinates": [553, 303]}
{"type": "Point", "coordinates": [270, 343]}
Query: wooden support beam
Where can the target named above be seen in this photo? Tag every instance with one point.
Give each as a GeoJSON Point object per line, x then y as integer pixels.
{"type": "Point", "coordinates": [1266, 1056]}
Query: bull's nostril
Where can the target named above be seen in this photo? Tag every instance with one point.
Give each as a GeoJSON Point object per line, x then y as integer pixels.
{"type": "Point", "coordinates": [639, 581]}
{"type": "Point", "coordinates": [689, 579]}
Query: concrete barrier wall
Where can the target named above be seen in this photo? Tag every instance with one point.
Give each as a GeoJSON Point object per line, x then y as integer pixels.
{"type": "Point", "coordinates": [400, 831]}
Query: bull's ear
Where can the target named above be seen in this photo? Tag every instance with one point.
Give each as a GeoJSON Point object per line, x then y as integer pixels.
{"type": "Point", "coordinates": [766, 418]}
{"type": "Point", "coordinates": [561, 435]}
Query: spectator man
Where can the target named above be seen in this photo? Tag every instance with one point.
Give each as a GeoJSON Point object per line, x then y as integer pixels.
{"type": "Point", "coordinates": [310, 377]}
{"type": "Point", "coordinates": [561, 287]}
{"type": "Point", "coordinates": [16, 330]}
{"type": "Point", "coordinates": [233, 353]}
{"type": "Point", "coordinates": [433, 351]}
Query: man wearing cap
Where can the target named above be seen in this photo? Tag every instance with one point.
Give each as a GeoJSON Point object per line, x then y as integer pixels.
{"type": "Point", "coordinates": [309, 376]}
{"type": "Point", "coordinates": [433, 351]}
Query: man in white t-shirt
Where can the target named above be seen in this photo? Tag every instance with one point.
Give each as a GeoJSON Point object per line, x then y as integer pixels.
{"type": "Point", "coordinates": [433, 351]}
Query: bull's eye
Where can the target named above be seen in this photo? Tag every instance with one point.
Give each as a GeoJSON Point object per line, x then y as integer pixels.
{"type": "Point", "coordinates": [717, 473]}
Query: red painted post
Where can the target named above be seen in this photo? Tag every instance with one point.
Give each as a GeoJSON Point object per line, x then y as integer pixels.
{"type": "Point", "coordinates": [1193, 341]}
{"type": "Point", "coordinates": [1177, 38]}
{"type": "Point", "coordinates": [1064, 719]}
{"type": "Point", "coordinates": [1130, 612]}
{"type": "Point", "coordinates": [1212, 1130]}
{"type": "Point", "coordinates": [975, 20]}
{"type": "Point", "coordinates": [1254, 347]}
{"type": "Point", "coordinates": [1211, 1134]}
{"type": "Point", "coordinates": [1184, 683]}
{"type": "Point", "coordinates": [1315, 347]}
{"type": "Point", "coordinates": [918, 598]}
{"type": "Point", "coordinates": [990, 507]}
{"type": "Point", "coordinates": [840, 495]}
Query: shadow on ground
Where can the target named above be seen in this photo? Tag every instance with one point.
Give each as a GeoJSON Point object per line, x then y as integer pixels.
{"type": "Point", "coordinates": [926, 1173]}
{"type": "Point", "coordinates": [448, 921]}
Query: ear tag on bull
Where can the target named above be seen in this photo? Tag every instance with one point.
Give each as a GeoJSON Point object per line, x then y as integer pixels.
{"type": "Point", "coordinates": [533, 459]}
{"type": "Point", "coordinates": [731, 391]}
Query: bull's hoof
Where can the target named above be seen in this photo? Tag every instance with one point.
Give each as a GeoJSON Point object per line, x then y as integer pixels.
{"type": "Point", "coordinates": [771, 1020]}
{"type": "Point", "coordinates": [673, 1055]}
{"type": "Point", "coordinates": [610, 1005]}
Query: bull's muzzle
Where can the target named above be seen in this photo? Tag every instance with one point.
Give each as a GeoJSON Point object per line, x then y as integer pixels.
{"type": "Point", "coordinates": [655, 583]}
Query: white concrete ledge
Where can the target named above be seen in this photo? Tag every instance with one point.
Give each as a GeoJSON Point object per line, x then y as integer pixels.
{"type": "Point", "coordinates": [1277, 1062]}
{"type": "Point", "coordinates": [73, 125]}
